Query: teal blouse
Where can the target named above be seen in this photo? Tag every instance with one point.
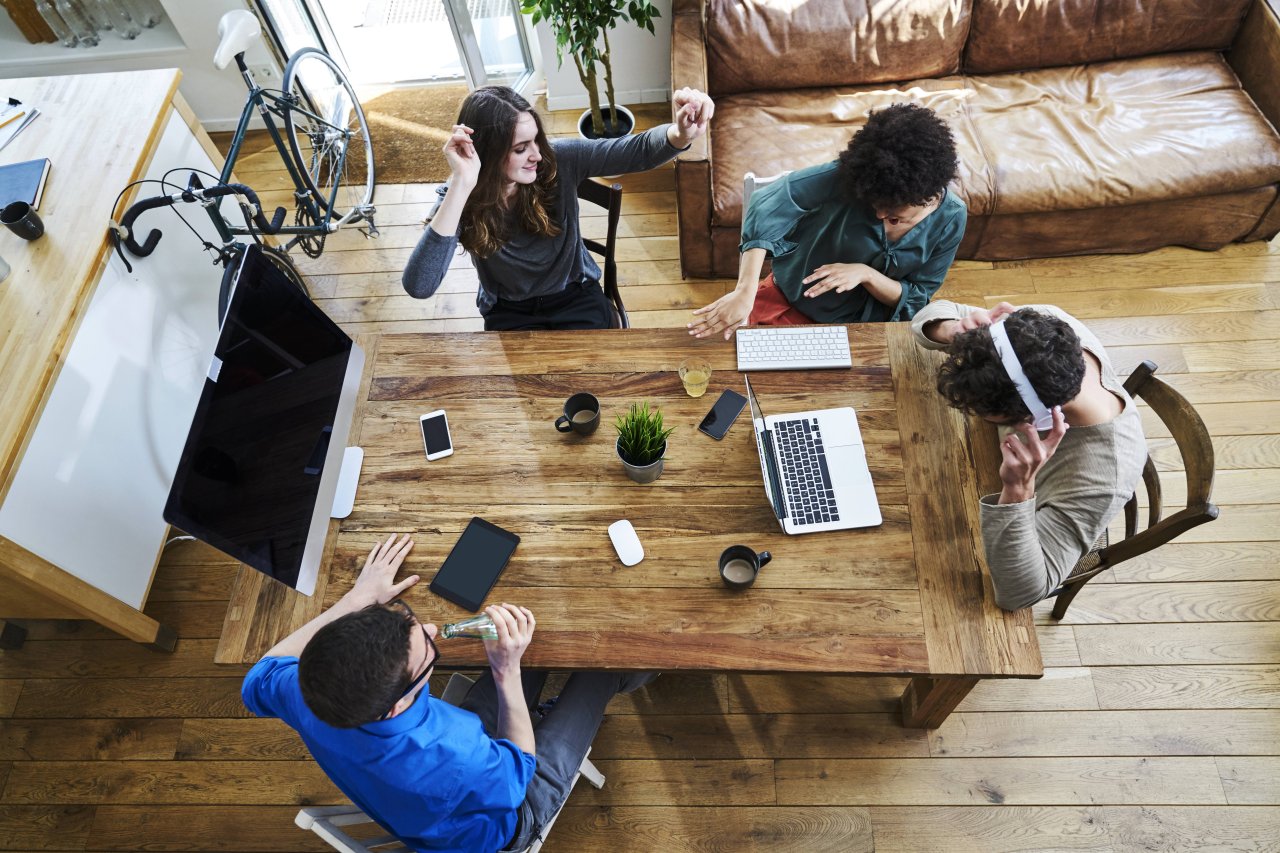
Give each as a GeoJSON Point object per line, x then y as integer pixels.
{"type": "Point", "coordinates": [805, 220]}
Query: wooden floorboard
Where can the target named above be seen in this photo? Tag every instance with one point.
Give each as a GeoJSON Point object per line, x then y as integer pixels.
{"type": "Point", "coordinates": [1155, 727]}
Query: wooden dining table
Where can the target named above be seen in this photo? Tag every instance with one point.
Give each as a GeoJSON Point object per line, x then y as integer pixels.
{"type": "Point", "coordinates": [911, 596]}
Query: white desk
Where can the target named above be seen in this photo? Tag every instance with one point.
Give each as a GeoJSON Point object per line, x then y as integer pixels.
{"type": "Point", "coordinates": [103, 367]}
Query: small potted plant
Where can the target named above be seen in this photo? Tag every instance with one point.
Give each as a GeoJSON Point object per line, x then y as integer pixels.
{"type": "Point", "coordinates": [642, 442]}
{"type": "Point", "coordinates": [579, 27]}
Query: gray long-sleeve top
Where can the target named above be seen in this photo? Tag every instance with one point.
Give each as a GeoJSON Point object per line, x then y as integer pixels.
{"type": "Point", "coordinates": [530, 265]}
{"type": "Point", "coordinates": [1032, 545]}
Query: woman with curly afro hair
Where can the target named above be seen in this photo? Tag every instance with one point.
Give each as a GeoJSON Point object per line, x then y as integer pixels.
{"type": "Point", "coordinates": [1062, 478]}
{"type": "Point", "coordinates": [867, 237]}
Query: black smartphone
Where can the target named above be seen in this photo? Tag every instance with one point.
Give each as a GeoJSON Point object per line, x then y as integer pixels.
{"type": "Point", "coordinates": [723, 414]}
{"type": "Point", "coordinates": [473, 566]}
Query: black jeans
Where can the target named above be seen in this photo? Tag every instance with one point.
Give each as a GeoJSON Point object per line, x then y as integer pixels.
{"type": "Point", "coordinates": [581, 305]}
{"type": "Point", "coordinates": [563, 737]}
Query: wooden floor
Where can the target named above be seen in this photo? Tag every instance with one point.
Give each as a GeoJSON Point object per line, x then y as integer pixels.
{"type": "Point", "coordinates": [1156, 726]}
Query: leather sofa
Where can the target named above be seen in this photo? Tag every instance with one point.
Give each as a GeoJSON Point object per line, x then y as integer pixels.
{"type": "Point", "coordinates": [1082, 126]}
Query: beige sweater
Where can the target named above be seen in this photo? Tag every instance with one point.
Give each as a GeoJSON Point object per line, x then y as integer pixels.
{"type": "Point", "coordinates": [1032, 545]}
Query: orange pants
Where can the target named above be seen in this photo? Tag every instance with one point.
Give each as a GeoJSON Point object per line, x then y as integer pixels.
{"type": "Point", "coordinates": [771, 308]}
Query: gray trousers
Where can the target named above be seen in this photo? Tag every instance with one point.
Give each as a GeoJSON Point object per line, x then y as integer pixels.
{"type": "Point", "coordinates": [563, 737]}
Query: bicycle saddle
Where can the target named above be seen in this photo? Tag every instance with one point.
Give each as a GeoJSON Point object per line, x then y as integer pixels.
{"type": "Point", "coordinates": [236, 31]}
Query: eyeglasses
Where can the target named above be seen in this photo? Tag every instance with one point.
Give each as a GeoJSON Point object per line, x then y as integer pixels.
{"type": "Point", "coordinates": [433, 657]}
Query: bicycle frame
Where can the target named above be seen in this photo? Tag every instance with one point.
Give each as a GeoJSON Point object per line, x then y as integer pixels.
{"type": "Point", "coordinates": [267, 104]}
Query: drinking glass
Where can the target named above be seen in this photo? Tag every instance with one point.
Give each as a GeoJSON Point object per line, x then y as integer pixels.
{"type": "Point", "coordinates": [695, 373]}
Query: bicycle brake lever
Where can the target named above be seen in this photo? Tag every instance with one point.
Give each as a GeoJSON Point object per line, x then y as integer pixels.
{"type": "Point", "coordinates": [114, 233]}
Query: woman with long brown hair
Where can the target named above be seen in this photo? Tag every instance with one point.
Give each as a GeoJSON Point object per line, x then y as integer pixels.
{"type": "Point", "coordinates": [512, 203]}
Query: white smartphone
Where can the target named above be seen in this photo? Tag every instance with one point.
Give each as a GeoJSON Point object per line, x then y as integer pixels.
{"type": "Point", "coordinates": [435, 435]}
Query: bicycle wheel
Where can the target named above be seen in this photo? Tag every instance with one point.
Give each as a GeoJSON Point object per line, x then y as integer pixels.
{"type": "Point", "coordinates": [278, 258]}
{"type": "Point", "coordinates": [327, 133]}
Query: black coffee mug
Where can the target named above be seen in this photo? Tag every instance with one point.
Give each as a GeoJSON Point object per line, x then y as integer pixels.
{"type": "Point", "coordinates": [739, 566]}
{"type": "Point", "coordinates": [581, 414]}
{"type": "Point", "coordinates": [19, 218]}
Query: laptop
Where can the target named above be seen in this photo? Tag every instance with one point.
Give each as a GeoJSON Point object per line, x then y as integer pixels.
{"type": "Point", "coordinates": [815, 469]}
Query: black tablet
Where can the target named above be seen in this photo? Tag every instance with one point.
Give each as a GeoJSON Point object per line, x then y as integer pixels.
{"type": "Point", "coordinates": [473, 566]}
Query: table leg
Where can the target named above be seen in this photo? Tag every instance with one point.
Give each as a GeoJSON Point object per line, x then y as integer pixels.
{"type": "Point", "coordinates": [927, 701]}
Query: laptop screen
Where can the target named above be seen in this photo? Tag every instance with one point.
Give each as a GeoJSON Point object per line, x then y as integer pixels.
{"type": "Point", "coordinates": [764, 447]}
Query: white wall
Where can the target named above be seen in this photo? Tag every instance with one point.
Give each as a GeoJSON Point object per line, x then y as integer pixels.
{"type": "Point", "coordinates": [641, 65]}
{"type": "Point", "coordinates": [217, 97]}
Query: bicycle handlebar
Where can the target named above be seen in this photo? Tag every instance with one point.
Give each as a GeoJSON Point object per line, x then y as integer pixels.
{"type": "Point", "coordinates": [135, 210]}
{"type": "Point", "coordinates": [148, 245]}
{"type": "Point", "coordinates": [259, 219]}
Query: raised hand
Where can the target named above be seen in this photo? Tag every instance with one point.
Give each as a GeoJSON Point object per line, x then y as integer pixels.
{"type": "Point", "coordinates": [944, 332]}
{"type": "Point", "coordinates": [693, 110]}
{"type": "Point", "coordinates": [1023, 453]}
{"type": "Point", "coordinates": [460, 153]}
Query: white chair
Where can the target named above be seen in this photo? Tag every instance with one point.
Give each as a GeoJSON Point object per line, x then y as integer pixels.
{"type": "Point", "coordinates": [328, 821]}
{"type": "Point", "coordinates": [750, 183]}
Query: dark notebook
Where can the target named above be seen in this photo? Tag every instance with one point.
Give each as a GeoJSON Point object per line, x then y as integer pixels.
{"type": "Point", "coordinates": [24, 182]}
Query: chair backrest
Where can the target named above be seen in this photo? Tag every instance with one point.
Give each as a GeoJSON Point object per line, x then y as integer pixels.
{"type": "Point", "coordinates": [751, 183]}
{"type": "Point", "coordinates": [609, 197]}
{"type": "Point", "coordinates": [1196, 449]}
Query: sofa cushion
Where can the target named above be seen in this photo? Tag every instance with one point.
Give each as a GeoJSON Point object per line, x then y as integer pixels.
{"type": "Point", "coordinates": [770, 46]}
{"type": "Point", "coordinates": [1119, 133]}
{"type": "Point", "coordinates": [772, 132]}
{"type": "Point", "coordinates": [1009, 35]}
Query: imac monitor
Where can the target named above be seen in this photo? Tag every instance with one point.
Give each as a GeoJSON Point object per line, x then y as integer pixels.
{"type": "Point", "coordinates": [257, 476]}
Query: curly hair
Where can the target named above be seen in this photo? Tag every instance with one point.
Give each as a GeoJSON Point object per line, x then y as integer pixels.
{"type": "Point", "coordinates": [904, 156]}
{"type": "Point", "coordinates": [356, 667]}
{"type": "Point", "coordinates": [492, 112]}
{"type": "Point", "coordinates": [973, 378]}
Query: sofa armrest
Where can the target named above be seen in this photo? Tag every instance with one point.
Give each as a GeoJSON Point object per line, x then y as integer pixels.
{"type": "Point", "coordinates": [1255, 57]}
{"type": "Point", "coordinates": [689, 63]}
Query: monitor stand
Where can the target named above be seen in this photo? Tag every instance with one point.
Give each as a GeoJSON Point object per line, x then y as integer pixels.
{"type": "Point", "coordinates": [344, 499]}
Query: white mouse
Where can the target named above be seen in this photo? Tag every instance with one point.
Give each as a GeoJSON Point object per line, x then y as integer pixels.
{"type": "Point", "coordinates": [626, 543]}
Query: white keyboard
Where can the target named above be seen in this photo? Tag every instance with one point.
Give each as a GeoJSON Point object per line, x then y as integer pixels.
{"type": "Point", "coordinates": [793, 348]}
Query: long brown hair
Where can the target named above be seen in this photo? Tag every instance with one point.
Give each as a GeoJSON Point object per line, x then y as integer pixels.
{"type": "Point", "coordinates": [492, 112]}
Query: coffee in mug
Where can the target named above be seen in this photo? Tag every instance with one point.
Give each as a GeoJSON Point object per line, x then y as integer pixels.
{"type": "Point", "coordinates": [739, 566]}
{"type": "Point", "coordinates": [581, 414]}
{"type": "Point", "coordinates": [739, 571]}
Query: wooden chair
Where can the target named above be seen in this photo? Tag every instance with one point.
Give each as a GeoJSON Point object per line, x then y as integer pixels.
{"type": "Point", "coordinates": [329, 822]}
{"type": "Point", "coordinates": [1196, 449]}
{"type": "Point", "coordinates": [608, 197]}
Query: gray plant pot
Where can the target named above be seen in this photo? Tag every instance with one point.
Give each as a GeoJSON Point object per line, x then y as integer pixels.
{"type": "Point", "coordinates": [641, 473]}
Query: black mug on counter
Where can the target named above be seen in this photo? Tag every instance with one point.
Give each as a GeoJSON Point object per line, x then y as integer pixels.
{"type": "Point", "coordinates": [19, 218]}
{"type": "Point", "coordinates": [739, 566]}
{"type": "Point", "coordinates": [581, 414]}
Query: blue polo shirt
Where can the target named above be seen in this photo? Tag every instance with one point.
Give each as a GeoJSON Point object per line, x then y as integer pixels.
{"type": "Point", "coordinates": [431, 775]}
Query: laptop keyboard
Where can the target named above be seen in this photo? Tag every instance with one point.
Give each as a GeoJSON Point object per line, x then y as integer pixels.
{"type": "Point", "coordinates": [810, 497]}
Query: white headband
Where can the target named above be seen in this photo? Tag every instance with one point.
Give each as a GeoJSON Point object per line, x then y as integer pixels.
{"type": "Point", "coordinates": [1042, 418]}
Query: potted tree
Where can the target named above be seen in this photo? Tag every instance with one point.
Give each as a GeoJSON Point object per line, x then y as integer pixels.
{"type": "Point", "coordinates": [642, 442]}
{"type": "Point", "coordinates": [580, 27]}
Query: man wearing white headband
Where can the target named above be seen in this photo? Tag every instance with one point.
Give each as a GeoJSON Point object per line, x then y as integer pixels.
{"type": "Point", "coordinates": [1073, 450]}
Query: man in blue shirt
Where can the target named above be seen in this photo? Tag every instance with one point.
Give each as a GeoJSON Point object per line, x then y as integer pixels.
{"type": "Point", "coordinates": [351, 683]}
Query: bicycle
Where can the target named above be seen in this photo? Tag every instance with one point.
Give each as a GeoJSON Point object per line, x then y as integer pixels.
{"type": "Point", "coordinates": [325, 147]}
